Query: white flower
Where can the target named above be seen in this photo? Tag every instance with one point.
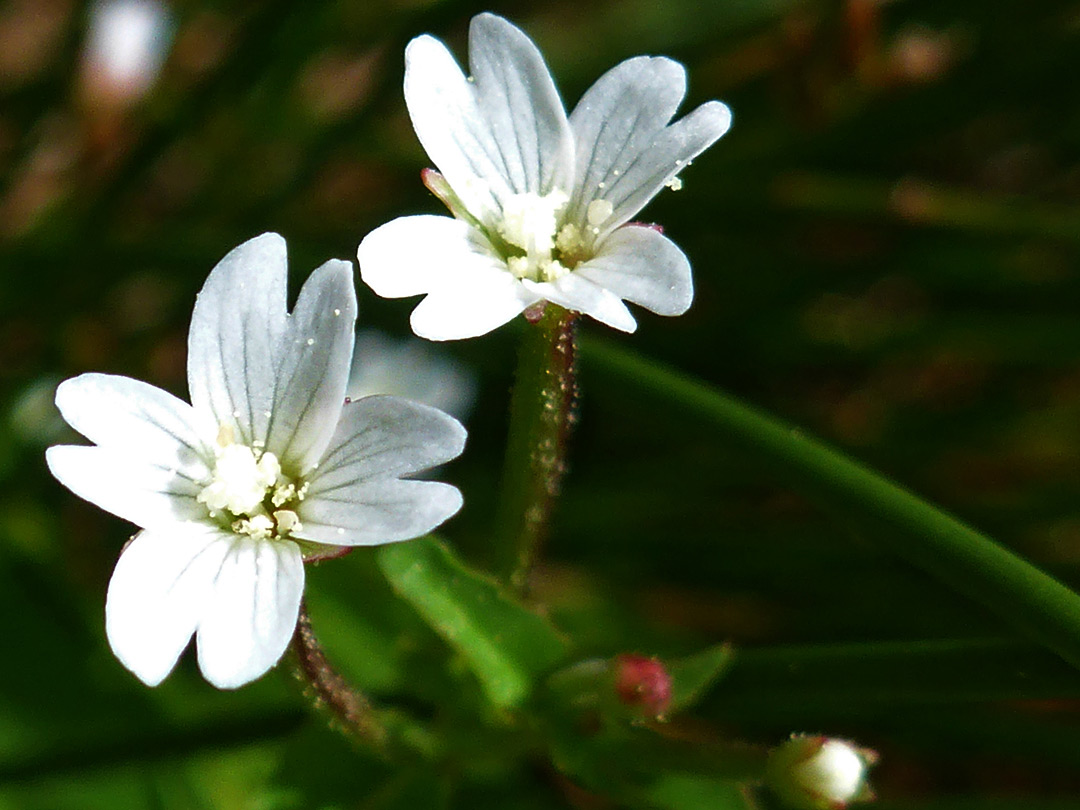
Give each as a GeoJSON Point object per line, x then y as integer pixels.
{"type": "Point", "coordinates": [541, 201]}
{"type": "Point", "coordinates": [267, 466]}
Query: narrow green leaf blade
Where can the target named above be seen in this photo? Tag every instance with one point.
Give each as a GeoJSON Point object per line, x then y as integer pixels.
{"type": "Point", "coordinates": [1024, 596]}
{"type": "Point", "coordinates": [506, 645]}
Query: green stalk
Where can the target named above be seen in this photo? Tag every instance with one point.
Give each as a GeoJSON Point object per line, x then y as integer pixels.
{"type": "Point", "coordinates": [541, 415]}
{"type": "Point", "coordinates": [1025, 597]}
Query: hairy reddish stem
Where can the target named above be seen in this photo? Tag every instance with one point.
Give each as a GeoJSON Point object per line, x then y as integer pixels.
{"type": "Point", "coordinates": [330, 691]}
{"type": "Point", "coordinates": [542, 413]}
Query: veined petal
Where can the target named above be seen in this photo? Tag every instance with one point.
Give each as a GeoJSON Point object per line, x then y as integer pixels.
{"type": "Point", "coordinates": [372, 512]}
{"type": "Point", "coordinates": [502, 131]}
{"type": "Point", "coordinates": [418, 254]}
{"type": "Point", "coordinates": [518, 99]}
{"type": "Point", "coordinates": [235, 337]}
{"type": "Point", "coordinates": [313, 370]}
{"type": "Point", "coordinates": [386, 437]}
{"type": "Point", "coordinates": [250, 611]}
{"type": "Point", "coordinates": [643, 174]}
{"type": "Point", "coordinates": [157, 593]}
{"type": "Point", "coordinates": [617, 119]}
{"type": "Point", "coordinates": [149, 494]}
{"type": "Point", "coordinates": [642, 265]}
{"type": "Point", "coordinates": [486, 299]}
{"type": "Point", "coordinates": [277, 380]}
{"type": "Point", "coordinates": [578, 293]}
{"type": "Point", "coordinates": [137, 419]}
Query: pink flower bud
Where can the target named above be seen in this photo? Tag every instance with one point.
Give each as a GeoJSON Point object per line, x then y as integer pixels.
{"type": "Point", "coordinates": [643, 683]}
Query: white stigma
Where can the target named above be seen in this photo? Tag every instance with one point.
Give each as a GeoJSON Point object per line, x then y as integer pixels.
{"type": "Point", "coordinates": [248, 488]}
{"type": "Point", "coordinates": [530, 222]}
{"type": "Point", "coordinates": [240, 480]}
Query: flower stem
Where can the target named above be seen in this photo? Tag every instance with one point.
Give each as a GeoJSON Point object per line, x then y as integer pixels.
{"type": "Point", "coordinates": [542, 411]}
{"type": "Point", "coordinates": [330, 691]}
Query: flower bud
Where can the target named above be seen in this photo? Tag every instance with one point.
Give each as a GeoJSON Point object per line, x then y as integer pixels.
{"type": "Point", "coordinates": [643, 683]}
{"type": "Point", "coordinates": [819, 773]}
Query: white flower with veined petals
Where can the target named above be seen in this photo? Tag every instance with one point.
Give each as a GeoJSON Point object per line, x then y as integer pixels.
{"type": "Point", "coordinates": [541, 201]}
{"type": "Point", "coordinates": [267, 466]}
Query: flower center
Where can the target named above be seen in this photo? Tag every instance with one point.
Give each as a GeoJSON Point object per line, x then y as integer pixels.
{"type": "Point", "coordinates": [249, 492]}
{"type": "Point", "coordinates": [539, 246]}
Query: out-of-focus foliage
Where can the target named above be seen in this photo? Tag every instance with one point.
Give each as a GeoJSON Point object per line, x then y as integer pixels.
{"type": "Point", "coordinates": [885, 251]}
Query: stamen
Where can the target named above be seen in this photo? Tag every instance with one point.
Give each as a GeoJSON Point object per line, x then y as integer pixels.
{"type": "Point", "coordinates": [287, 521]}
{"type": "Point", "coordinates": [259, 527]}
{"type": "Point", "coordinates": [529, 221]}
{"type": "Point", "coordinates": [247, 483]}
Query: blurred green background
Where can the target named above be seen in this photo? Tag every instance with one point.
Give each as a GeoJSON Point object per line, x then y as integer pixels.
{"type": "Point", "coordinates": [885, 253]}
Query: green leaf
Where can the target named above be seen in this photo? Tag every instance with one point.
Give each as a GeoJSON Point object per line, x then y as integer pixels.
{"type": "Point", "coordinates": [692, 676]}
{"type": "Point", "coordinates": [1025, 597]}
{"type": "Point", "coordinates": [827, 681]}
{"type": "Point", "coordinates": [506, 645]}
{"type": "Point", "coordinates": [641, 767]}
{"type": "Point", "coordinates": [679, 791]}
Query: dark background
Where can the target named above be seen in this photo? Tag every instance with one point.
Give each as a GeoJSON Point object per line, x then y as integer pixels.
{"type": "Point", "coordinates": [885, 253]}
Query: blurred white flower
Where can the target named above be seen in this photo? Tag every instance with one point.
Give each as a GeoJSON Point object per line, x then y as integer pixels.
{"type": "Point", "coordinates": [820, 773]}
{"type": "Point", "coordinates": [411, 369]}
{"type": "Point", "coordinates": [541, 201]}
{"type": "Point", "coordinates": [267, 466]}
{"type": "Point", "coordinates": [126, 45]}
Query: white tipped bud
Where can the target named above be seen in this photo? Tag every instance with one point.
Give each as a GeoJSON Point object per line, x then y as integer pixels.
{"type": "Point", "coordinates": [819, 773]}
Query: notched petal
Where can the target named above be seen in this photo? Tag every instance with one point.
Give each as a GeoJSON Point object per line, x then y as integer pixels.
{"type": "Point", "coordinates": [235, 336]}
{"type": "Point", "coordinates": [313, 371]}
{"type": "Point", "coordinates": [156, 596]}
{"type": "Point", "coordinates": [386, 437]}
{"type": "Point", "coordinates": [501, 131]}
{"type": "Point", "coordinates": [250, 611]}
{"type": "Point", "coordinates": [146, 493]}
{"type": "Point", "coordinates": [134, 417]}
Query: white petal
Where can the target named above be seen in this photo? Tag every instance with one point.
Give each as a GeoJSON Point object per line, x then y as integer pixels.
{"type": "Point", "coordinates": [502, 132]}
{"type": "Point", "coordinates": [354, 497]}
{"type": "Point", "coordinates": [377, 511]}
{"type": "Point", "coordinates": [625, 153]}
{"type": "Point", "coordinates": [470, 290]}
{"type": "Point", "coordinates": [250, 613]}
{"type": "Point", "coordinates": [642, 265]}
{"type": "Point", "coordinates": [235, 336]}
{"type": "Point", "coordinates": [578, 293]}
{"type": "Point", "coordinates": [385, 437]}
{"type": "Point", "coordinates": [618, 118]}
{"type": "Point", "coordinates": [156, 596]}
{"type": "Point", "coordinates": [315, 355]}
{"type": "Point", "coordinates": [135, 418]}
{"type": "Point", "coordinates": [278, 380]}
{"type": "Point", "coordinates": [146, 493]}
{"type": "Point", "coordinates": [483, 301]}
{"type": "Point", "coordinates": [518, 99]}
{"type": "Point", "coordinates": [669, 154]}
{"type": "Point", "coordinates": [415, 255]}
